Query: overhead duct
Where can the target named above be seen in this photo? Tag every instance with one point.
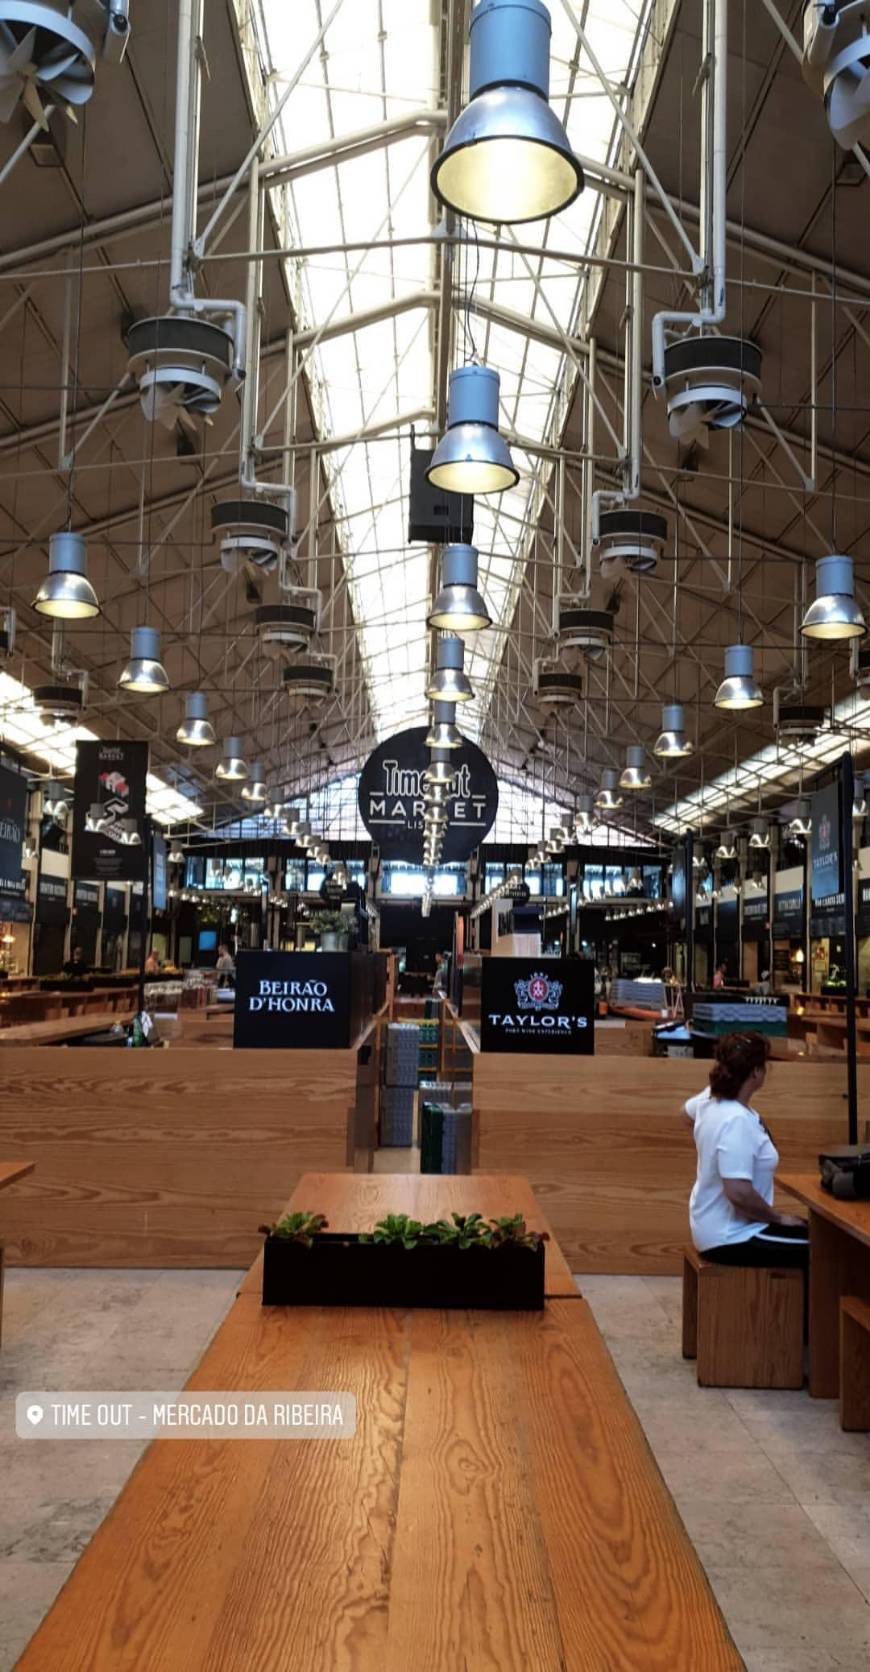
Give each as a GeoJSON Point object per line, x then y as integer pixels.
{"type": "Point", "coordinates": [797, 722]}
{"type": "Point", "coordinates": [588, 630]}
{"type": "Point", "coordinates": [556, 687]}
{"type": "Point", "coordinates": [311, 679]}
{"type": "Point", "coordinates": [836, 65]}
{"type": "Point", "coordinates": [250, 533]}
{"type": "Point", "coordinates": [49, 50]}
{"type": "Point", "coordinates": [290, 625]}
{"type": "Point", "coordinates": [62, 703]}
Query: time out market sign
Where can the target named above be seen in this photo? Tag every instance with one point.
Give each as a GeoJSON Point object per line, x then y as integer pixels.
{"type": "Point", "coordinates": [392, 798]}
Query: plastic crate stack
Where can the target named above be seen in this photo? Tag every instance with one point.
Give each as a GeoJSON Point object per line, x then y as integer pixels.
{"type": "Point", "coordinates": [429, 1049]}
{"type": "Point", "coordinates": [401, 1076]}
{"type": "Point", "coordinates": [445, 1130]}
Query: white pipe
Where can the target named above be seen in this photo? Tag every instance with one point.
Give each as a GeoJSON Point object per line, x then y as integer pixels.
{"type": "Point", "coordinates": [715, 174]}
{"type": "Point", "coordinates": [186, 72]}
{"type": "Point", "coordinates": [633, 459]}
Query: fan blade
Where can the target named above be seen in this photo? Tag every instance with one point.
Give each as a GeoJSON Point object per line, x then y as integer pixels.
{"type": "Point", "coordinates": [688, 424]}
{"type": "Point", "coordinates": [849, 108]}
{"type": "Point", "coordinates": [10, 96]}
{"type": "Point", "coordinates": [32, 102]}
{"type": "Point", "coordinates": [161, 402]}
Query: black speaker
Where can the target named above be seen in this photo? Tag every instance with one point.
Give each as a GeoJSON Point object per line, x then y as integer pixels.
{"type": "Point", "coordinates": [436, 517]}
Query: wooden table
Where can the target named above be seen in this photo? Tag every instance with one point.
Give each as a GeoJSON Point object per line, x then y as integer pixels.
{"type": "Point", "coordinates": [356, 1201]}
{"type": "Point", "coordinates": [10, 1173]}
{"type": "Point", "coordinates": [839, 1265]}
{"type": "Point", "coordinates": [498, 1508]}
{"type": "Point", "coordinates": [61, 1031]}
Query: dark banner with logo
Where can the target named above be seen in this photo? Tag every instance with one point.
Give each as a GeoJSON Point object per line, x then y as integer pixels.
{"type": "Point", "coordinates": [827, 849]}
{"type": "Point", "coordinates": [864, 906]}
{"type": "Point", "coordinates": [788, 915]}
{"type": "Point", "coordinates": [115, 911]}
{"type": "Point", "coordinates": [13, 816]}
{"type": "Point", "coordinates": [159, 898]}
{"type": "Point", "coordinates": [51, 906]}
{"type": "Point", "coordinates": [756, 919]}
{"type": "Point", "coordinates": [109, 833]}
{"type": "Point", "coordinates": [704, 923]}
{"type": "Point", "coordinates": [292, 1001]}
{"type": "Point", "coordinates": [728, 922]}
{"type": "Point", "coordinates": [536, 1005]}
{"type": "Point", "coordinates": [86, 899]}
{"type": "Point", "coordinates": [391, 798]}
{"type": "Point", "coordinates": [829, 920]}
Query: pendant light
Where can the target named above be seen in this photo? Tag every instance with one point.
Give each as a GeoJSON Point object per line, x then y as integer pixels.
{"type": "Point", "coordinates": [175, 855]}
{"type": "Point", "coordinates": [145, 673]}
{"type": "Point", "coordinates": [471, 457]}
{"type": "Point", "coordinates": [196, 730]}
{"type": "Point", "coordinates": [256, 790]}
{"type": "Point", "coordinates": [801, 824]}
{"type": "Point", "coordinates": [759, 835]}
{"type": "Point", "coordinates": [442, 732]}
{"type": "Point", "coordinates": [232, 768]}
{"type": "Point", "coordinates": [636, 775]}
{"type": "Point", "coordinates": [608, 798]}
{"type": "Point", "coordinates": [727, 848]}
{"type": "Point", "coordinates": [450, 683]}
{"type": "Point", "coordinates": [739, 689]}
{"type": "Point", "coordinates": [301, 832]}
{"type": "Point", "coordinates": [584, 818]}
{"type": "Point", "coordinates": [836, 613]}
{"type": "Point", "coordinates": [54, 804]}
{"type": "Point", "coordinates": [672, 743]}
{"type": "Point", "coordinates": [459, 607]}
{"type": "Point", "coordinates": [507, 159]}
{"type": "Point", "coordinates": [440, 769]}
{"type": "Point", "coordinates": [66, 593]}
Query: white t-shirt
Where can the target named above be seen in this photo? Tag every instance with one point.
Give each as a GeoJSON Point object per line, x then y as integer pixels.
{"type": "Point", "coordinates": [732, 1144]}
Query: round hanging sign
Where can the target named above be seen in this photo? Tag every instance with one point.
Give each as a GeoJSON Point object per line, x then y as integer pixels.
{"type": "Point", "coordinates": [392, 798]}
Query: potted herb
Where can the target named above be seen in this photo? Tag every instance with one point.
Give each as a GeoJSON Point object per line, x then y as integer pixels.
{"type": "Point", "coordinates": [332, 926]}
{"type": "Point", "coordinates": [464, 1261]}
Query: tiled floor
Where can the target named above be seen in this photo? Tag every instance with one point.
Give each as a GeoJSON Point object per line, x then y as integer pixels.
{"type": "Point", "coordinates": [775, 1497]}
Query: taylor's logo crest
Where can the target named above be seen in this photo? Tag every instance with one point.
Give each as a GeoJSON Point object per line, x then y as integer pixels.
{"type": "Point", "coordinates": [538, 993]}
{"type": "Point", "coordinates": [825, 834]}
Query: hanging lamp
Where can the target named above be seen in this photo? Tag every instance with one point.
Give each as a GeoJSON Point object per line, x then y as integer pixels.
{"type": "Point", "coordinates": [450, 683]}
{"type": "Point", "coordinates": [672, 743]}
{"type": "Point", "coordinates": [256, 789]}
{"type": "Point", "coordinates": [232, 768]}
{"type": "Point", "coordinates": [584, 818]}
{"type": "Point", "coordinates": [144, 673]}
{"type": "Point", "coordinates": [442, 732]}
{"type": "Point", "coordinates": [759, 835]}
{"type": "Point", "coordinates": [66, 593]}
{"type": "Point", "coordinates": [836, 613]}
{"type": "Point", "coordinates": [739, 689]}
{"type": "Point", "coordinates": [459, 607]}
{"type": "Point", "coordinates": [636, 774]}
{"type": "Point", "coordinates": [507, 159]}
{"type": "Point", "coordinates": [196, 730]}
{"type": "Point", "coordinates": [608, 798]}
{"type": "Point", "coordinates": [440, 769]}
{"type": "Point", "coordinates": [472, 457]}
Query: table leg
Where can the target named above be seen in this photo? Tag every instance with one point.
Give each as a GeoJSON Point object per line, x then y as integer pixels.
{"type": "Point", "coordinates": [839, 1265]}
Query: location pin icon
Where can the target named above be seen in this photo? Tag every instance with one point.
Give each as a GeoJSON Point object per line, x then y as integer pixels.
{"type": "Point", "coordinates": [35, 1414]}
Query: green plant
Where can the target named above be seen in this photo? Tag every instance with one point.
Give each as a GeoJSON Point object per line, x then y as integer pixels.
{"type": "Point", "coordinates": [329, 922]}
{"type": "Point", "coordinates": [297, 1227]}
{"type": "Point", "coordinates": [460, 1231]}
{"type": "Point", "coordinates": [514, 1231]}
{"type": "Point", "coordinates": [398, 1228]}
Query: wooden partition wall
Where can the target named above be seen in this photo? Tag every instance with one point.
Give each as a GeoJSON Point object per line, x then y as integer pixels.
{"type": "Point", "coordinates": [164, 1158]}
{"type": "Point", "coordinates": [611, 1162]}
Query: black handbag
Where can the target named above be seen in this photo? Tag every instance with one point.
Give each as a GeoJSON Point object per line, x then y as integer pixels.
{"type": "Point", "coordinates": [845, 1171]}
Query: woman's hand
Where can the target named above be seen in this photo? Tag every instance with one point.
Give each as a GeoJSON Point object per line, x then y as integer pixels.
{"type": "Point", "coordinates": [789, 1219]}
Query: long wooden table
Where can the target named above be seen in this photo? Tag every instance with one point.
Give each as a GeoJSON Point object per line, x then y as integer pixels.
{"type": "Point", "coordinates": [10, 1173]}
{"type": "Point", "coordinates": [497, 1508]}
{"type": "Point", "coordinates": [839, 1265]}
{"type": "Point", "coordinates": [356, 1201]}
{"type": "Point", "coordinates": [60, 1032]}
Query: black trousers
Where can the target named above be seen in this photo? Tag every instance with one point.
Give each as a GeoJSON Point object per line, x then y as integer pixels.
{"type": "Point", "coordinates": [776, 1245]}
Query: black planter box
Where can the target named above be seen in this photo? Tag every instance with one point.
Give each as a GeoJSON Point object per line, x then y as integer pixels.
{"type": "Point", "coordinates": [342, 1271]}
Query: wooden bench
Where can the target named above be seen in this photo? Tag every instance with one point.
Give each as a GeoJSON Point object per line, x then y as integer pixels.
{"type": "Point", "coordinates": [854, 1364]}
{"type": "Point", "coordinates": [10, 1173]}
{"type": "Point", "coordinates": [743, 1324]}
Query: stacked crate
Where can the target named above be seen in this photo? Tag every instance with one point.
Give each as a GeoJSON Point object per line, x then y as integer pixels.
{"type": "Point", "coordinates": [445, 1129]}
{"type": "Point", "coordinates": [429, 1050]}
{"type": "Point", "coordinates": [401, 1076]}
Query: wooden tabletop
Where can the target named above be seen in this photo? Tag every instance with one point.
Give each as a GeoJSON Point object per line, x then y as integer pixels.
{"type": "Point", "coordinates": [356, 1201]}
{"type": "Point", "coordinates": [66, 1027]}
{"type": "Point", "coordinates": [497, 1508]}
{"type": "Point", "coordinates": [853, 1217]}
{"type": "Point", "coordinates": [12, 1171]}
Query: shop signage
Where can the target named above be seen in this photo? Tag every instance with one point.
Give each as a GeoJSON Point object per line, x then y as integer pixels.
{"type": "Point", "coordinates": [14, 908]}
{"type": "Point", "coordinates": [115, 910]}
{"type": "Point", "coordinates": [332, 891]}
{"type": "Point", "coordinates": [727, 924]}
{"type": "Point", "coordinates": [864, 906]}
{"type": "Point", "coordinates": [827, 848]}
{"type": "Point", "coordinates": [788, 915]}
{"type": "Point", "coordinates": [51, 904]}
{"type": "Point", "coordinates": [13, 814]}
{"type": "Point", "coordinates": [109, 835]}
{"type": "Point", "coordinates": [518, 892]}
{"type": "Point", "coordinates": [86, 897]}
{"type": "Point", "coordinates": [831, 920]}
{"type": "Point", "coordinates": [289, 1001]}
{"type": "Point", "coordinates": [538, 1005]}
{"type": "Point", "coordinates": [158, 872]}
{"type": "Point", "coordinates": [704, 920]}
{"type": "Point", "coordinates": [391, 798]}
{"type": "Point", "coordinates": [755, 917]}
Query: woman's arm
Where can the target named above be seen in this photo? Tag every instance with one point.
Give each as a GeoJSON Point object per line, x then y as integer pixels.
{"type": "Point", "coordinates": [744, 1197]}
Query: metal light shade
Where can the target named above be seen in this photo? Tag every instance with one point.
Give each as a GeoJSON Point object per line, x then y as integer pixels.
{"type": "Point", "coordinates": [440, 769]}
{"type": "Point", "coordinates": [450, 683]}
{"type": "Point", "coordinates": [608, 798]}
{"type": "Point", "coordinates": [726, 848]}
{"type": "Point", "coordinates": [145, 673]}
{"type": "Point", "coordinates": [302, 832]}
{"type": "Point", "coordinates": [584, 819]}
{"type": "Point", "coordinates": [556, 840]}
{"type": "Point", "coordinates": [196, 729]}
{"type": "Point", "coordinates": [175, 856]}
{"type": "Point", "coordinates": [636, 775]}
{"type": "Point", "coordinates": [130, 836]}
{"type": "Point", "coordinates": [739, 689]}
{"type": "Point", "coordinates": [507, 159]}
{"type": "Point", "coordinates": [436, 794]}
{"type": "Point", "coordinates": [836, 613]}
{"type": "Point", "coordinates": [53, 802]}
{"type": "Point", "coordinates": [66, 593]}
{"type": "Point", "coordinates": [471, 457]}
{"type": "Point", "coordinates": [232, 768]}
{"type": "Point", "coordinates": [672, 743]}
{"type": "Point", "coordinates": [759, 836]}
{"type": "Point", "coordinates": [802, 822]}
{"type": "Point", "coordinates": [459, 607]}
{"type": "Point", "coordinates": [256, 790]}
{"type": "Point", "coordinates": [442, 732]}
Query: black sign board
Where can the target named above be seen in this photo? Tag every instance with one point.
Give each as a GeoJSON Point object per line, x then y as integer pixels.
{"type": "Point", "coordinates": [13, 814]}
{"type": "Point", "coordinates": [15, 908]}
{"type": "Point", "coordinates": [115, 910]}
{"type": "Point", "coordinates": [86, 897]}
{"type": "Point", "coordinates": [51, 904]}
{"type": "Point", "coordinates": [864, 906]}
{"type": "Point", "coordinates": [292, 1001]}
{"type": "Point", "coordinates": [159, 897]}
{"type": "Point", "coordinates": [538, 1005]}
{"type": "Point", "coordinates": [437, 517]}
{"type": "Point", "coordinates": [518, 892]}
{"type": "Point", "coordinates": [332, 891]}
{"type": "Point", "coordinates": [755, 917]}
{"type": "Point", "coordinates": [391, 798]}
{"type": "Point", "coordinates": [830, 920]}
{"type": "Point", "coordinates": [827, 849]}
{"type": "Point", "coordinates": [788, 915]}
{"type": "Point", "coordinates": [704, 922]}
{"type": "Point", "coordinates": [109, 835]}
{"type": "Point", "coordinates": [727, 921]}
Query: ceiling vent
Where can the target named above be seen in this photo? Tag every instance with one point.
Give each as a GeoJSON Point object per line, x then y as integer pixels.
{"type": "Point", "coordinates": [59, 702]}
{"type": "Point", "coordinates": [311, 679]}
{"type": "Point", "coordinates": [588, 630]}
{"type": "Point", "coordinates": [556, 687]}
{"type": "Point", "coordinates": [182, 366]}
{"type": "Point", "coordinates": [250, 531]}
{"type": "Point", "coordinates": [48, 52]}
{"type": "Point", "coordinates": [291, 625]}
{"type": "Point", "coordinates": [799, 722]}
{"type": "Point", "coordinates": [634, 539]}
{"type": "Point", "coordinates": [836, 65]}
{"type": "Point", "coordinates": [710, 383]}
{"type": "Point", "coordinates": [7, 632]}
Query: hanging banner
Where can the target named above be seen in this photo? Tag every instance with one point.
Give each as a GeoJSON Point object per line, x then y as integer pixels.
{"type": "Point", "coordinates": [158, 872]}
{"type": "Point", "coordinates": [788, 915]}
{"type": "Point", "coordinates": [109, 835]}
{"type": "Point", "coordinates": [51, 906]}
{"type": "Point", "coordinates": [391, 798]}
{"type": "Point", "coordinates": [756, 921]}
{"type": "Point", "coordinates": [13, 816]}
{"type": "Point", "coordinates": [864, 906]}
{"type": "Point", "coordinates": [728, 921]}
{"type": "Point", "coordinates": [827, 850]}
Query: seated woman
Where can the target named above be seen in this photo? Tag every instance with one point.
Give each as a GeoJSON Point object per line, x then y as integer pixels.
{"type": "Point", "coordinates": [731, 1210]}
